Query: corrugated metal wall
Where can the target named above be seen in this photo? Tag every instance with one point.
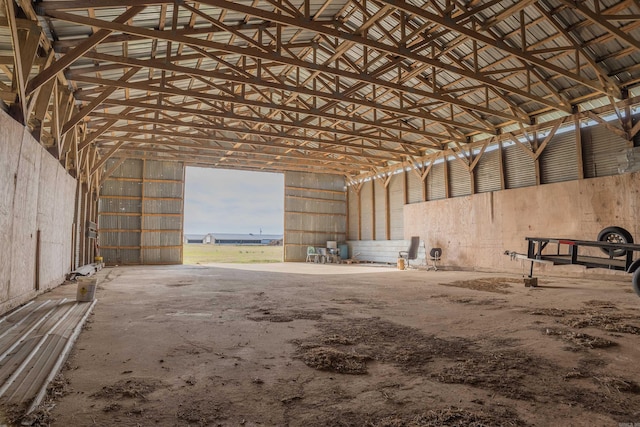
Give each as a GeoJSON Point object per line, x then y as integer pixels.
{"type": "Point", "coordinates": [141, 213]}
{"type": "Point", "coordinates": [396, 206]}
{"type": "Point", "coordinates": [518, 167]}
{"type": "Point", "coordinates": [459, 179]}
{"type": "Point", "coordinates": [559, 160]}
{"type": "Point", "coordinates": [488, 172]}
{"type": "Point", "coordinates": [600, 150]}
{"type": "Point", "coordinates": [315, 211]}
{"type": "Point", "coordinates": [435, 182]}
{"type": "Point", "coordinates": [354, 214]}
{"type": "Point", "coordinates": [380, 206]}
{"type": "Point", "coordinates": [366, 203]}
{"type": "Point", "coordinates": [415, 185]}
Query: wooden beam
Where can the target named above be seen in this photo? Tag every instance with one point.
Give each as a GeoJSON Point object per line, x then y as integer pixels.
{"type": "Point", "coordinates": [97, 101]}
{"type": "Point", "coordinates": [75, 53]}
{"type": "Point", "coordinates": [106, 157]}
{"type": "Point", "coordinates": [342, 73]}
{"type": "Point", "coordinates": [19, 76]}
{"type": "Point", "coordinates": [579, 157]}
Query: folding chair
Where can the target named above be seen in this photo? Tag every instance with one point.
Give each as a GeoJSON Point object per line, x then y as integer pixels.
{"type": "Point", "coordinates": [412, 252]}
{"type": "Point", "coordinates": [312, 255]}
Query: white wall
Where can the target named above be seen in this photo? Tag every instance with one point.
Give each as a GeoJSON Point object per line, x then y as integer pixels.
{"type": "Point", "coordinates": [36, 193]}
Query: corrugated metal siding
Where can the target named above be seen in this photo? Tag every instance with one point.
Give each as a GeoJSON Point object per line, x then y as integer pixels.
{"type": "Point", "coordinates": [435, 183]}
{"type": "Point", "coordinates": [315, 212]}
{"type": "Point", "coordinates": [354, 215]}
{"type": "Point", "coordinates": [120, 206]}
{"type": "Point", "coordinates": [367, 207]}
{"type": "Point", "coordinates": [162, 223]}
{"type": "Point", "coordinates": [488, 172]}
{"type": "Point", "coordinates": [518, 167]}
{"type": "Point", "coordinates": [559, 160]}
{"type": "Point", "coordinates": [106, 221]}
{"type": "Point", "coordinates": [162, 170]}
{"type": "Point", "coordinates": [121, 188]}
{"type": "Point", "coordinates": [162, 255]}
{"type": "Point", "coordinates": [163, 206]}
{"type": "Point", "coordinates": [415, 187]}
{"type": "Point", "coordinates": [134, 229]}
{"type": "Point", "coordinates": [121, 239]}
{"type": "Point", "coordinates": [459, 179]}
{"type": "Point", "coordinates": [162, 239]}
{"type": "Point", "coordinates": [396, 206]}
{"type": "Point", "coordinates": [121, 256]}
{"type": "Point", "coordinates": [163, 189]}
{"type": "Point", "coordinates": [381, 214]}
{"type": "Point", "coordinates": [128, 169]}
{"type": "Point", "coordinates": [600, 150]}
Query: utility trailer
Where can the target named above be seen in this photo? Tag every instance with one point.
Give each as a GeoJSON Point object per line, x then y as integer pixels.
{"type": "Point", "coordinates": [615, 242]}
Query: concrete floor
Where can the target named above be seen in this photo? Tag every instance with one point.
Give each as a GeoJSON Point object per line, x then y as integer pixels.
{"type": "Point", "coordinates": [338, 345]}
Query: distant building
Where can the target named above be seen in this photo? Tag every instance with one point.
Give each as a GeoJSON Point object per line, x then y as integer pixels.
{"type": "Point", "coordinates": [196, 238]}
{"type": "Point", "coordinates": [245, 239]}
{"type": "Point", "coordinates": [234, 239]}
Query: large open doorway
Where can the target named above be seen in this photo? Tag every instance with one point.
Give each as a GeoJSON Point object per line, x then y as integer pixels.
{"type": "Point", "coordinates": [233, 216]}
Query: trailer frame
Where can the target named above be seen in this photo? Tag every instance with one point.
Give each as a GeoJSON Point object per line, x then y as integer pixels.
{"type": "Point", "coordinates": [568, 253]}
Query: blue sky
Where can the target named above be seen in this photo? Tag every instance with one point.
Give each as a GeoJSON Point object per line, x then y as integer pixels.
{"type": "Point", "coordinates": [228, 201]}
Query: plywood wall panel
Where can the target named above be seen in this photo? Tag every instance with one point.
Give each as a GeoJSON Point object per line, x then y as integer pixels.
{"type": "Point", "coordinates": [25, 210]}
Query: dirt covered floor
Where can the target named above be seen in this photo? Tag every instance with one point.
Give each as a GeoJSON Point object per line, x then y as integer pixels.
{"type": "Point", "coordinates": [338, 345]}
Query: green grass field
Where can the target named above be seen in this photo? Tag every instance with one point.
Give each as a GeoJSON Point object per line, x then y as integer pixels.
{"type": "Point", "coordinates": [196, 253]}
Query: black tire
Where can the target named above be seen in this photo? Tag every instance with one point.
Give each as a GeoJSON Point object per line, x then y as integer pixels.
{"type": "Point", "coordinates": [635, 281]}
{"type": "Point", "coordinates": [615, 235]}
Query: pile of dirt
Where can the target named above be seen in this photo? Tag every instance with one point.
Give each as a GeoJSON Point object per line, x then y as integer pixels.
{"type": "Point", "coordinates": [497, 285]}
{"type": "Point", "coordinates": [199, 413]}
{"type": "Point", "coordinates": [598, 314]}
{"type": "Point", "coordinates": [554, 312]}
{"type": "Point", "coordinates": [495, 365]}
{"type": "Point", "coordinates": [616, 384]}
{"type": "Point", "coordinates": [330, 359]}
{"type": "Point", "coordinates": [509, 373]}
{"type": "Point", "coordinates": [450, 417]}
{"type": "Point", "coordinates": [282, 317]}
{"type": "Point", "coordinates": [407, 348]}
{"type": "Point", "coordinates": [132, 388]}
{"type": "Point", "coordinates": [606, 322]}
{"type": "Point", "coordinates": [356, 340]}
{"type": "Point", "coordinates": [580, 340]}
{"type": "Point", "coordinates": [474, 301]}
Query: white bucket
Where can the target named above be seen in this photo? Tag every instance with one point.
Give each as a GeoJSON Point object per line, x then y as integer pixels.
{"type": "Point", "coordinates": [86, 289]}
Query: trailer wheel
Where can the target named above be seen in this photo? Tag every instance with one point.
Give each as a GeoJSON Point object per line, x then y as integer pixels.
{"type": "Point", "coordinates": [615, 235]}
{"type": "Point", "coordinates": [635, 281]}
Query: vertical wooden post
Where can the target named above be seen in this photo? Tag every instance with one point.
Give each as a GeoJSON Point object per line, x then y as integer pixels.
{"type": "Point", "coordinates": [405, 188]}
{"type": "Point", "coordinates": [82, 224]}
{"type": "Point", "coordinates": [184, 178]}
{"type": "Point", "coordinates": [579, 158]}
{"type": "Point", "coordinates": [373, 209]}
{"type": "Point", "coordinates": [346, 207]}
{"type": "Point", "coordinates": [536, 160]}
{"type": "Point", "coordinates": [447, 192]}
{"type": "Point", "coordinates": [387, 208]}
{"type": "Point", "coordinates": [37, 269]}
{"type": "Point", "coordinates": [501, 165]}
{"type": "Point", "coordinates": [357, 187]}
{"type": "Point", "coordinates": [142, 197]}
{"type": "Point", "coordinates": [424, 187]}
